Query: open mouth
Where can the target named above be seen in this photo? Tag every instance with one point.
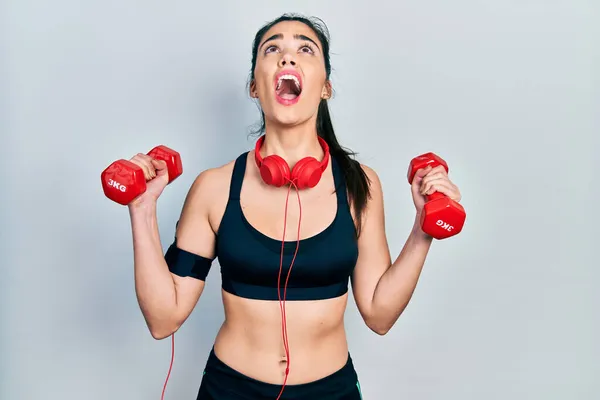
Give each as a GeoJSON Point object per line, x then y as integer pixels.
{"type": "Point", "coordinates": [288, 87]}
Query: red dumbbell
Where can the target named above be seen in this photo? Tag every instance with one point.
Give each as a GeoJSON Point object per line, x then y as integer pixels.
{"type": "Point", "coordinates": [123, 181]}
{"type": "Point", "coordinates": [442, 217]}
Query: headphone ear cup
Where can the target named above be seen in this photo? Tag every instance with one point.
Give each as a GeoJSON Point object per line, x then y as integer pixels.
{"type": "Point", "coordinates": [307, 173]}
{"type": "Point", "coordinates": [275, 171]}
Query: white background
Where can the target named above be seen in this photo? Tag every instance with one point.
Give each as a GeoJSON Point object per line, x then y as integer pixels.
{"type": "Point", "coordinates": [505, 91]}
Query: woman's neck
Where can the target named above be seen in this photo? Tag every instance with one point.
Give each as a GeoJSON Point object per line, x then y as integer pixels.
{"type": "Point", "coordinates": [292, 143]}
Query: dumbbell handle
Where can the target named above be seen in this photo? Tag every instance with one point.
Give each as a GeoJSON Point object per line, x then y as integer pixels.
{"type": "Point", "coordinates": [434, 196]}
{"type": "Point", "coordinates": [171, 157]}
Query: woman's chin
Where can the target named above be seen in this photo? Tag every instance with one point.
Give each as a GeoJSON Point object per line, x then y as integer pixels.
{"type": "Point", "coordinates": [286, 118]}
{"type": "Point", "coordinates": [289, 112]}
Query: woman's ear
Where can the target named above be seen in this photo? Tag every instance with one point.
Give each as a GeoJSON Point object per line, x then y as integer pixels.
{"type": "Point", "coordinates": [327, 90]}
{"type": "Point", "coordinates": [253, 91]}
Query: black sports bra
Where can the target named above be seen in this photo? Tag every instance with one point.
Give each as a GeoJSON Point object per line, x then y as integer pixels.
{"type": "Point", "coordinates": [250, 260]}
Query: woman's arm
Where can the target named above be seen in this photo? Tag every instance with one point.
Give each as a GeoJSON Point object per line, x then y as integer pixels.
{"type": "Point", "coordinates": [166, 299]}
{"type": "Point", "coordinates": [383, 289]}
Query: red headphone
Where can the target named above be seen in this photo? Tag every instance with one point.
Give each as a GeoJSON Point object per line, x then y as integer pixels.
{"type": "Point", "coordinates": [305, 174]}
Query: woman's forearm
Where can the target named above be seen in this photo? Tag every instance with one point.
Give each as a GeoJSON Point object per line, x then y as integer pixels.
{"type": "Point", "coordinates": [397, 284]}
{"type": "Point", "coordinates": [154, 285]}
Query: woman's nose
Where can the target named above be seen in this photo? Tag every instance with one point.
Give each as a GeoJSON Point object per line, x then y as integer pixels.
{"type": "Point", "coordinates": [286, 59]}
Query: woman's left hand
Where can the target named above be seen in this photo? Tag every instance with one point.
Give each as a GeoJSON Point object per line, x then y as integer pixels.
{"type": "Point", "coordinates": [430, 180]}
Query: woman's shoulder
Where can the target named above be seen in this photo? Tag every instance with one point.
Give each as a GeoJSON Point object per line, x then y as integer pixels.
{"type": "Point", "coordinates": [209, 192]}
{"type": "Point", "coordinates": [213, 181]}
{"type": "Point", "coordinates": [369, 172]}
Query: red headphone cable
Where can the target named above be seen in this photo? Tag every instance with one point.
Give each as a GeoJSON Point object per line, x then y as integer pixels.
{"type": "Point", "coordinates": [282, 303]}
{"type": "Point", "coordinates": [162, 397]}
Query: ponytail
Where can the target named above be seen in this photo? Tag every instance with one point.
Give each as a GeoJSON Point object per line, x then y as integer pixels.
{"type": "Point", "coordinates": [357, 182]}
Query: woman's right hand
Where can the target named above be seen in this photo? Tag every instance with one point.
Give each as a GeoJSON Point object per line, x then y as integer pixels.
{"type": "Point", "coordinates": [157, 178]}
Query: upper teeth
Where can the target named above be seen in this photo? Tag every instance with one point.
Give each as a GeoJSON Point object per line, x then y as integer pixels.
{"type": "Point", "coordinates": [292, 77]}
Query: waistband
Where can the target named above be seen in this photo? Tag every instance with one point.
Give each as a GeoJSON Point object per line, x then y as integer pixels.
{"type": "Point", "coordinates": [343, 380]}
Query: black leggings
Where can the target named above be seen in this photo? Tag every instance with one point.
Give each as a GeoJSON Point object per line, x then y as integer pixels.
{"type": "Point", "coordinates": [221, 382]}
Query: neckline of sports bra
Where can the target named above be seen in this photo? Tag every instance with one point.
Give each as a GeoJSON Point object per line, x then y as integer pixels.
{"type": "Point", "coordinates": [269, 242]}
{"type": "Point", "coordinates": [289, 246]}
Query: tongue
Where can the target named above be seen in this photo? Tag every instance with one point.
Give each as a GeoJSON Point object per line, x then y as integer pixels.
{"type": "Point", "coordinates": [287, 90]}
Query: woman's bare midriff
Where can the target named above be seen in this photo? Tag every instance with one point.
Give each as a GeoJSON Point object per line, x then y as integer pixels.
{"type": "Point", "coordinates": [250, 340]}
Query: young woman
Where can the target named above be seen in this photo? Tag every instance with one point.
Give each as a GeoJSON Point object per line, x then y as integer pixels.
{"type": "Point", "coordinates": [239, 213]}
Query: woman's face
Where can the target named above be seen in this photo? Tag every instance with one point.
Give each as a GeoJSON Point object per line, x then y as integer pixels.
{"type": "Point", "coordinates": [289, 77]}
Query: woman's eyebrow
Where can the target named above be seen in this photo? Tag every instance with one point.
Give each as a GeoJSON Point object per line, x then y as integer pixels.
{"type": "Point", "coordinates": [280, 36]}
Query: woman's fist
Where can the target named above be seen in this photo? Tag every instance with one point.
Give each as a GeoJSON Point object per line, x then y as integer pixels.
{"type": "Point", "coordinates": [156, 174]}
